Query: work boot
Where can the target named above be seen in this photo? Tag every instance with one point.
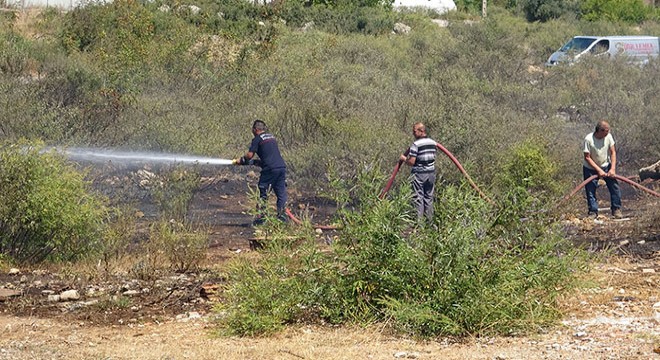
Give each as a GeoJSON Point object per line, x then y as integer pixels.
{"type": "Point", "coordinates": [592, 214]}
{"type": "Point", "coordinates": [259, 220]}
{"type": "Point", "coordinates": [283, 217]}
{"type": "Point", "coordinates": [617, 214]}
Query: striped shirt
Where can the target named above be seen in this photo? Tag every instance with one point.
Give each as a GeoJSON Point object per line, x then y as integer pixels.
{"type": "Point", "coordinates": [423, 150]}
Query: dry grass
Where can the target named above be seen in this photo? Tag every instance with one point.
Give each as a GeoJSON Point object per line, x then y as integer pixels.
{"type": "Point", "coordinates": [26, 20]}
{"type": "Point", "coordinates": [38, 338]}
{"type": "Point", "coordinates": [53, 338]}
{"type": "Point", "coordinates": [617, 281]}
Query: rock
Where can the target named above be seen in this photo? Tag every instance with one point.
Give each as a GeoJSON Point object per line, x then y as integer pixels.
{"type": "Point", "coordinates": [406, 355]}
{"type": "Point", "coordinates": [6, 294]}
{"type": "Point", "coordinates": [656, 312]}
{"type": "Point", "coordinates": [69, 295]}
{"type": "Point", "coordinates": [14, 271]}
{"type": "Point", "coordinates": [188, 316]}
{"type": "Point", "coordinates": [440, 22]}
{"type": "Point", "coordinates": [308, 26]}
{"type": "Point", "coordinates": [401, 28]}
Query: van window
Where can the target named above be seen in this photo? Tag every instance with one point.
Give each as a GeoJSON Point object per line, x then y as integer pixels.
{"type": "Point", "coordinates": [600, 47]}
{"type": "Point", "coordinates": [577, 45]}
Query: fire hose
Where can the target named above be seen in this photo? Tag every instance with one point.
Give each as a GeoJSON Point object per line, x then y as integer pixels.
{"type": "Point", "coordinates": [397, 167]}
{"type": "Point", "coordinates": [452, 158]}
{"type": "Point", "coordinates": [298, 222]}
{"type": "Point", "coordinates": [624, 179]}
{"type": "Point", "coordinates": [391, 181]}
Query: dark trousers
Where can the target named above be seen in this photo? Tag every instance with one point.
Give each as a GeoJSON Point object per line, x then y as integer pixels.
{"type": "Point", "coordinates": [423, 185]}
{"type": "Point", "coordinates": [274, 179]}
{"type": "Point", "coordinates": [590, 189]}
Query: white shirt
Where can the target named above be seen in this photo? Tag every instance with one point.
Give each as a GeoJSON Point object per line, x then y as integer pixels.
{"type": "Point", "coordinates": [598, 149]}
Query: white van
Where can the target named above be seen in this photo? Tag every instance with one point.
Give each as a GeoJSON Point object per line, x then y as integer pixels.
{"type": "Point", "coordinates": [638, 49]}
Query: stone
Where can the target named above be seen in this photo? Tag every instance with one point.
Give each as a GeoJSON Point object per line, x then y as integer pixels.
{"type": "Point", "coordinates": [69, 295]}
{"type": "Point", "coordinates": [6, 294]}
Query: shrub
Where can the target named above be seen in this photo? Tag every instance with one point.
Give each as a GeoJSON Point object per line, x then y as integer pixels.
{"type": "Point", "coordinates": [174, 192]}
{"type": "Point", "coordinates": [528, 166]}
{"type": "Point", "coordinates": [630, 11]}
{"type": "Point", "coordinates": [47, 210]}
{"type": "Point", "coordinates": [544, 10]}
{"type": "Point", "coordinates": [183, 247]}
{"type": "Point", "coordinates": [14, 54]}
{"type": "Point", "coordinates": [469, 273]}
{"type": "Point", "coordinates": [117, 238]}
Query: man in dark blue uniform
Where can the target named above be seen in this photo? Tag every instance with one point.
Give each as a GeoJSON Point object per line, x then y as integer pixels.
{"type": "Point", "coordinates": [273, 167]}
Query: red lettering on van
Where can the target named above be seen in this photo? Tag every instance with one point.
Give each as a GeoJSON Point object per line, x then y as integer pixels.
{"type": "Point", "coordinates": [639, 47]}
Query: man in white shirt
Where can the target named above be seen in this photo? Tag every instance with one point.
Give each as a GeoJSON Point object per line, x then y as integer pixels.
{"type": "Point", "coordinates": [600, 159]}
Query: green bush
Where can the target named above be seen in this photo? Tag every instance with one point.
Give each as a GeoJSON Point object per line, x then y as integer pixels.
{"type": "Point", "coordinates": [529, 166]}
{"type": "Point", "coordinates": [630, 11]}
{"type": "Point", "coordinates": [544, 10]}
{"type": "Point", "coordinates": [471, 272]}
{"type": "Point", "coordinates": [14, 54]}
{"type": "Point", "coordinates": [183, 247]}
{"type": "Point", "coordinates": [117, 238]}
{"type": "Point", "coordinates": [174, 191]}
{"type": "Point", "coordinates": [47, 210]}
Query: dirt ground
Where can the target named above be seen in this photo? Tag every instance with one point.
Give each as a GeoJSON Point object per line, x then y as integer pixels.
{"type": "Point", "coordinates": [616, 315]}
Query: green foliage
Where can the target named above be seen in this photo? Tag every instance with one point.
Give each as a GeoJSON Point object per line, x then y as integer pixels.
{"type": "Point", "coordinates": [7, 19]}
{"type": "Point", "coordinates": [287, 285]}
{"type": "Point", "coordinates": [183, 247]}
{"type": "Point", "coordinates": [629, 11]}
{"type": "Point", "coordinates": [174, 191]}
{"type": "Point", "coordinates": [330, 94]}
{"type": "Point", "coordinates": [528, 166]}
{"type": "Point", "coordinates": [47, 210]}
{"type": "Point", "coordinates": [474, 271]}
{"type": "Point", "coordinates": [474, 6]}
{"type": "Point", "coordinates": [13, 54]}
{"type": "Point", "coordinates": [544, 10]}
{"type": "Point", "coordinates": [117, 238]}
{"type": "Point", "coordinates": [372, 20]}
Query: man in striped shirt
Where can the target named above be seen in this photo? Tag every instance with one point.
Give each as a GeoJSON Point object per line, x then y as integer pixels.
{"type": "Point", "coordinates": [422, 159]}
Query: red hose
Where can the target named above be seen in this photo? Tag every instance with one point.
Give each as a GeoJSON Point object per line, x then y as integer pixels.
{"type": "Point", "coordinates": [391, 180]}
{"type": "Point", "coordinates": [298, 222]}
{"type": "Point", "coordinates": [460, 167]}
{"type": "Point", "coordinates": [577, 188]}
{"type": "Point", "coordinates": [624, 179]}
{"type": "Point", "coordinates": [453, 159]}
